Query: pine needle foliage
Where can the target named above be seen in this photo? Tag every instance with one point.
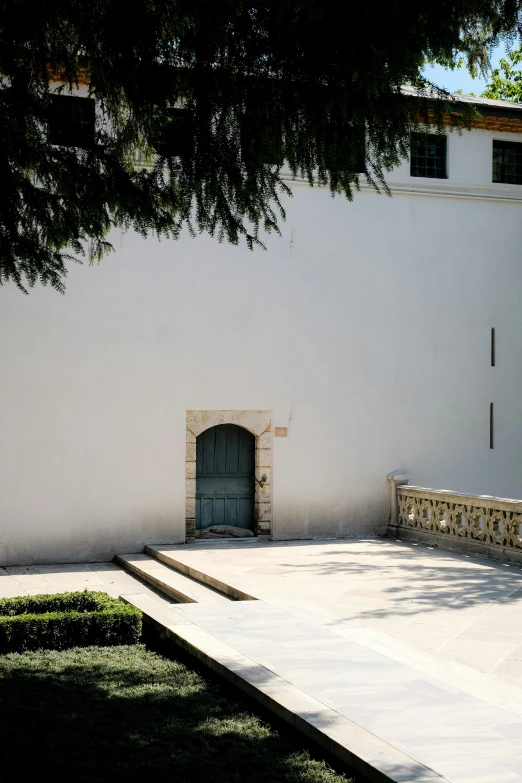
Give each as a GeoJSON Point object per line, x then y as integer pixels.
{"type": "Point", "coordinates": [213, 99]}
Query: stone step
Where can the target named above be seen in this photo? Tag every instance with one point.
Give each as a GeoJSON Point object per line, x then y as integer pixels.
{"type": "Point", "coordinates": [166, 554]}
{"type": "Point", "coordinates": [171, 582]}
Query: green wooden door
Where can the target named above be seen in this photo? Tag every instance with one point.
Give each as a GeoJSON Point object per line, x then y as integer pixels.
{"type": "Point", "coordinates": [224, 477]}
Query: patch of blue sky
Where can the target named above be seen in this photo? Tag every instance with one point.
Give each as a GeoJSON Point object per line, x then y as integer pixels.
{"type": "Point", "coordinates": [460, 78]}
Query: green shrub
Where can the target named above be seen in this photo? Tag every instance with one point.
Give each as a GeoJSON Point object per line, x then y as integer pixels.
{"type": "Point", "coordinates": [66, 620]}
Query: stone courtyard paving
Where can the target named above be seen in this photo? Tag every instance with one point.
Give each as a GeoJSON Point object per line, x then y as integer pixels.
{"type": "Point", "coordinates": [460, 608]}
{"type": "Point", "coordinates": [420, 647]}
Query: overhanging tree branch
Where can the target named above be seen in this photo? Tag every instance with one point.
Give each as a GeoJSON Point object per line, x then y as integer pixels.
{"type": "Point", "coordinates": [305, 83]}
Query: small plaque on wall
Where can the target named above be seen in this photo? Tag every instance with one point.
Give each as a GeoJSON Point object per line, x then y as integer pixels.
{"type": "Point", "coordinates": [280, 432]}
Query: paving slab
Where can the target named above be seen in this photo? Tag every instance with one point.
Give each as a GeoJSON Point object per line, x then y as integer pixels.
{"type": "Point", "coordinates": [71, 577]}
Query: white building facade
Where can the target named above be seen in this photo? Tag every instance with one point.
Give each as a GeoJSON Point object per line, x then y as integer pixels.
{"type": "Point", "coordinates": [358, 343]}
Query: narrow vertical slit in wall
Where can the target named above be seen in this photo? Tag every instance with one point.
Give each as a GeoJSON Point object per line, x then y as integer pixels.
{"type": "Point", "coordinates": [493, 347]}
{"type": "Point", "coordinates": [490, 425]}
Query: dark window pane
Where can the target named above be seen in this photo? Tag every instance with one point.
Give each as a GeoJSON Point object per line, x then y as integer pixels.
{"type": "Point", "coordinates": [261, 141]}
{"type": "Point", "coordinates": [507, 162]}
{"type": "Point", "coordinates": [176, 138]}
{"type": "Point", "coordinates": [71, 121]}
{"type": "Point", "coordinates": [428, 156]}
{"type": "Point", "coordinates": [346, 150]}
{"type": "Point", "coordinates": [341, 149]}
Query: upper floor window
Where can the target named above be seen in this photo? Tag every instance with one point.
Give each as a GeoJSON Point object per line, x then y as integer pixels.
{"type": "Point", "coordinates": [507, 162]}
{"type": "Point", "coordinates": [261, 140]}
{"type": "Point", "coordinates": [349, 147]}
{"type": "Point", "coordinates": [341, 150]}
{"type": "Point", "coordinates": [176, 138]}
{"type": "Point", "coordinates": [428, 155]}
{"type": "Point", "coordinates": [71, 121]}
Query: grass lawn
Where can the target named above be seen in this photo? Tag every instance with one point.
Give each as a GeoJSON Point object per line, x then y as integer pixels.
{"type": "Point", "coordinates": [99, 714]}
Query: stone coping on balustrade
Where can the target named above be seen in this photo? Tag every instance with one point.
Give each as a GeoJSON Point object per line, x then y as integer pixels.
{"type": "Point", "coordinates": [474, 524]}
{"type": "Point", "coordinates": [448, 496]}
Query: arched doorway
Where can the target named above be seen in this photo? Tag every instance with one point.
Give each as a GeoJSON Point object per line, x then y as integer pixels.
{"type": "Point", "coordinates": [225, 464]}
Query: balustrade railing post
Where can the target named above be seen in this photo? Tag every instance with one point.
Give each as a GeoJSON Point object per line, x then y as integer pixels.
{"type": "Point", "coordinates": [395, 479]}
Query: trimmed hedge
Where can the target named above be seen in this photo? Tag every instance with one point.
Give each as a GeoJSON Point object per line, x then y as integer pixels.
{"type": "Point", "coordinates": [66, 620]}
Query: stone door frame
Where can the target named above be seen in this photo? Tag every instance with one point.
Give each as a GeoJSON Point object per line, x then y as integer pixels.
{"type": "Point", "coordinates": [259, 423]}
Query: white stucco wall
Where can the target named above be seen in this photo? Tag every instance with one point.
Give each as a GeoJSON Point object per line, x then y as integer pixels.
{"type": "Point", "coordinates": [368, 337]}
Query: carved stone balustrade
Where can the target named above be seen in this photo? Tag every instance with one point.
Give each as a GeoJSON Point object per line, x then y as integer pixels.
{"type": "Point", "coordinates": [473, 523]}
